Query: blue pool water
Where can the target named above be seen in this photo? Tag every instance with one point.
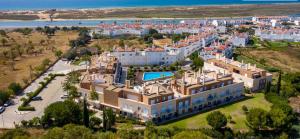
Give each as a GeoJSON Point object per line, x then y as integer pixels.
{"type": "Point", "coordinates": [156, 75]}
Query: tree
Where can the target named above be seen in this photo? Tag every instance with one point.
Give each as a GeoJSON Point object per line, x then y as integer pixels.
{"type": "Point", "coordinates": [197, 64]}
{"type": "Point", "coordinates": [17, 133]}
{"type": "Point", "coordinates": [46, 62]}
{"type": "Point", "coordinates": [278, 84]}
{"type": "Point", "coordinates": [73, 77]}
{"type": "Point", "coordinates": [152, 31]}
{"type": "Point", "coordinates": [125, 131]}
{"type": "Point", "coordinates": [15, 88]}
{"type": "Point", "coordinates": [121, 43]}
{"type": "Point", "coordinates": [190, 135]}
{"type": "Point", "coordinates": [268, 87]}
{"type": "Point", "coordinates": [109, 119]}
{"type": "Point", "coordinates": [70, 131]}
{"type": "Point", "coordinates": [216, 120]}
{"type": "Point", "coordinates": [95, 122]}
{"type": "Point", "coordinates": [3, 41]}
{"type": "Point", "coordinates": [86, 116]}
{"type": "Point", "coordinates": [62, 113]}
{"type": "Point", "coordinates": [281, 117]}
{"type": "Point", "coordinates": [58, 53]}
{"type": "Point", "coordinates": [73, 92]}
{"type": "Point", "coordinates": [19, 50]}
{"type": "Point", "coordinates": [93, 95]}
{"type": "Point", "coordinates": [257, 119]}
{"type": "Point", "coordinates": [4, 95]}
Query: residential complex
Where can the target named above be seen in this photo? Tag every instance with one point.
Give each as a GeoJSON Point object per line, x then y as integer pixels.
{"type": "Point", "coordinates": [167, 98]}
{"type": "Point", "coordinates": [222, 80]}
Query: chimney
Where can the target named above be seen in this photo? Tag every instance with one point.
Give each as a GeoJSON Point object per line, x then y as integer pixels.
{"type": "Point", "coordinates": [127, 84]}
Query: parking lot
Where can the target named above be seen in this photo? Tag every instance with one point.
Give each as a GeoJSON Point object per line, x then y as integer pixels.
{"type": "Point", "coordinates": [50, 94]}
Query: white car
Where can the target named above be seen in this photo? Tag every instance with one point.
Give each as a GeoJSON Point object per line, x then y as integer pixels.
{"type": "Point", "coordinates": [64, 96]}
{"type": "Point", "coordinates": [2, 109]}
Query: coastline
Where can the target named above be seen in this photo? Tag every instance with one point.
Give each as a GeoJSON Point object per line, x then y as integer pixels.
{"type": "Point", "coordinates": [161, 12]}
{"type": "Point", "coordinates": [147, 6]}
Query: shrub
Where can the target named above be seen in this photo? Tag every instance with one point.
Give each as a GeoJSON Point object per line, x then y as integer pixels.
{"type": "Point", "coordinates": [244, 108]}
{"type": "Point", "coordinates": [15, 88]}
{"type": "Point", "coordinates": [26, 108]}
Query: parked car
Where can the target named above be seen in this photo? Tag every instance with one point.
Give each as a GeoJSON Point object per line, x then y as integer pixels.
{"type": "Point", "coordinates": [2, 109]}
{"type": "Point", "coordinates": [8, 103]}
{"type": "Point", "coordinates": [64, 96]}
{"type": "Point", "coordinates": [37, 98]}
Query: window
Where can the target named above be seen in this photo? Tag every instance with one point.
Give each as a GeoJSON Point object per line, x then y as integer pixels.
{"type": "Point", "coordinates": [169, 97]}
{"type": "Point", "coordinates": [123, 54]}
{"type": "Point", "coordinates": [152, 101]}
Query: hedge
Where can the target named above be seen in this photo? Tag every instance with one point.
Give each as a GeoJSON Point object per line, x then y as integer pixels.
{"type": "Point", "coordinates": [24, 106]}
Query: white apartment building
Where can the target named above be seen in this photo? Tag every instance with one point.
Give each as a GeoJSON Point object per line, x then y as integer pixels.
{"type": "Point", "coordinates": [163, 56]}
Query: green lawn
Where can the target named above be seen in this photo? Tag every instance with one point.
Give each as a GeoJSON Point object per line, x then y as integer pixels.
{"type": "Point", "coordinates": [235, 110]}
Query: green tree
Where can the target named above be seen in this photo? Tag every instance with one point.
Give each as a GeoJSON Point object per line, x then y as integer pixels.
{"type": "Point", "coordinates": [58, 53]}
{"type": "Point", "coordinates": [106, 135]}
{"type": "Point", "coordinates": [86, 116]}
{"type": "Point", "coordinates": [4, 95]}
{"type": "Point", "coordinates": [46, 62]}
{"type": "Point", "coordinates": [216, 120]}
{"type": "Point", "coordinates": [16, 88]}
{"type": "Point", "coordinates": [197, 64]}
{"type": "Point", "coordinates": [62, 113]}
{"type": "Point", "coordinates": [95, 122]}
{"type": "Point", "coordinates": [94, 95]}
{"type": "Point", "coordinates": [109, 119]}
{"type": "Point", "coordinates": [281, 117]}
{"type": "Point", "coordinates": [3, 41]}
{"type": "Point", "coordinates": [278, 84]}
{"type": "Point", "coordinates": [126, 131]}
{"type": "Point", "coordinates": [70, 131]}
{"type": "Point", "coordinates": [257, 118]}
{"type": "Point", "coordinates": [17, 133]}
{"type": "Point", "coordinates": [190, 135]}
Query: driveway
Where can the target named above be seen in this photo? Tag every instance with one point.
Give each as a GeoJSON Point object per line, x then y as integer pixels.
{"type": "Point", "coordinates": [50, 94]}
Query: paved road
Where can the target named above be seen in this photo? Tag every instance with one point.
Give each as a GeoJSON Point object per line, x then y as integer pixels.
{"type": "Point", "coordinates": [50, 94]}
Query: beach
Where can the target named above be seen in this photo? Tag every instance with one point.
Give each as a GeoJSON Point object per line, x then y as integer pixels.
{"type": "Point", "coordinates": [215, 11]}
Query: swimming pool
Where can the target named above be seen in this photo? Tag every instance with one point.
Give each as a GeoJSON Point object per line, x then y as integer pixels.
{"type": "Point", "coordinates": [156, 75]}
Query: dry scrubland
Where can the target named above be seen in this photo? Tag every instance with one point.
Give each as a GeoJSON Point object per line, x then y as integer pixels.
{"type": "Point", "coordinates": [44, 47]}
{"type": "Point", "coordinates": [107, 44]}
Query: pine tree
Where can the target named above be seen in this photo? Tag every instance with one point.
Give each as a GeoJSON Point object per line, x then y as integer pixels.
{"type": "Point", "coordinates": [278, 84]}
{"type": "Point", "coordinates": [85, 114]}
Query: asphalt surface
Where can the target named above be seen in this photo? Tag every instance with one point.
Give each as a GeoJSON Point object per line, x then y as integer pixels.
{"type": "Point", "coordinates": [50, 94]}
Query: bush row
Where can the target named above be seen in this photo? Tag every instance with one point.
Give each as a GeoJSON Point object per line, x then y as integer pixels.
{"type": "Point", "coordinates": [24, 106]}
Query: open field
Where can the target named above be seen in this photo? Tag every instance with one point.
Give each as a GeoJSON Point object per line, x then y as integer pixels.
{"type": "Point", "coordinates": [162, 12]}
{"type": "Point", "coordinates": [234, 109]}
{"type": "Point", "coordinates": [280, 55]}
{"type": "Point", "coordinates": [42, 47]}
{"type": "Point", "coordinates": [107, 44]}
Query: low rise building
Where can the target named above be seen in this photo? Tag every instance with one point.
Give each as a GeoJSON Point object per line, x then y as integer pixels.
{"type": "Point", "coordinates": [254, 78]}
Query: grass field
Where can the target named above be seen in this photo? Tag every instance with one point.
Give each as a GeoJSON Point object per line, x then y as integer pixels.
{"type": "Point", "coordinates": [59, 42]}
{"type": "Point", "coordinates": [235, 110]}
